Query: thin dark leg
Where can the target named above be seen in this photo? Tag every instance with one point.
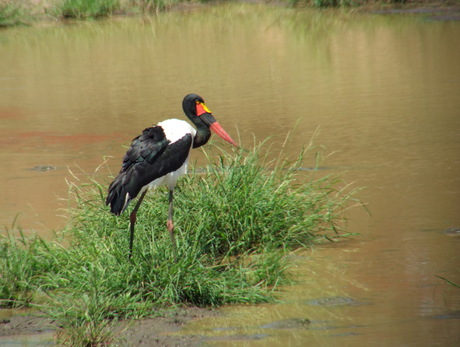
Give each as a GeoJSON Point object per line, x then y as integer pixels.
{"type": "Point", "coordinates": [170, 223]}
{"type": "Point", "coordinates": [132, 222]}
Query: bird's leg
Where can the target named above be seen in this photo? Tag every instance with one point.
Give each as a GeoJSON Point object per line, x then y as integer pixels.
{"type": "Point", "coordinates": [170, 223]}
{"type": "Point", "coordinates": [132, 222]}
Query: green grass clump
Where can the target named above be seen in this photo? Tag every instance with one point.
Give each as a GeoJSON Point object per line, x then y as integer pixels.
{"type": "Point", "coordinates": [13, 12]}
{"type": "Point", "coordinates": [235, 222]}
{"type": "Point", "coordinates": [248, 204]}
{"type": "Point", "coordinates": [83, 9]}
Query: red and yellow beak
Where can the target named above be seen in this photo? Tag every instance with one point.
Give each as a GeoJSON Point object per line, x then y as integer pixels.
{"type": "Point", "coordinates": [203, 110]}
{"type": "Point", "coordinates": [222, 133]}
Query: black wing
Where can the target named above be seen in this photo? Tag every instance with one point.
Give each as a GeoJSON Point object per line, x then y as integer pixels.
{"type": "Point", "coordinates": [146, 147]}
{"type": "Point", "coordinates": [150, 156]}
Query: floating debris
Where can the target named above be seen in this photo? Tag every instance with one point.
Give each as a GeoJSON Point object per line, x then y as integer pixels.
{"type": "Point", "coordinates": [334, 301]}
{"type": "Point", "coordinates": [452, 231]}
{"type": "Point", "coordinates": [291, 323]}
{"type": "Point", "coordinates": [43, 168]}
{"type": "Point", "coordinates": [451, 315]}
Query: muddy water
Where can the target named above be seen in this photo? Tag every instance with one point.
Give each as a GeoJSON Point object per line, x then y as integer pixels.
{"type": "Point", "coordinates": [383, 90]}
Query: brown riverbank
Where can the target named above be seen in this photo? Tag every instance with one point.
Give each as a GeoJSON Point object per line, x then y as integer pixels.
{"type": "Point", "coordinates": [39, 12]}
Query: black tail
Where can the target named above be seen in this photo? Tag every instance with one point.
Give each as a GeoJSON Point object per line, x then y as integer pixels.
{"type": "Point", "coordinates": [118, 197]}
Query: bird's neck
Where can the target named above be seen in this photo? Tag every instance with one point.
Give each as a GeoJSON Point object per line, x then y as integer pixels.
{"type": "Point", "coordinates": [202, 136]}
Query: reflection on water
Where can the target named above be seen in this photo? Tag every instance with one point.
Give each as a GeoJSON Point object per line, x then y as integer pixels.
{"type": "Point", "coordinates": [383, 91]}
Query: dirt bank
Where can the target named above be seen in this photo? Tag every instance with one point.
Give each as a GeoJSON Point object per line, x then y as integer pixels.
{"type": "Point", "coordinates": [155, 331]}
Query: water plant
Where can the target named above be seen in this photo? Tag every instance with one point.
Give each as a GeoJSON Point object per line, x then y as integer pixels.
{"type": "Point", "coordinates": [236, 219]}
{"type": "Point", "coordinates": [449, 281]}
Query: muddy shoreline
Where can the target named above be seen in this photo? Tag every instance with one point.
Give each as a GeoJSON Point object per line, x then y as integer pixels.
{"type": "Point", "coordinates": [152, 331]}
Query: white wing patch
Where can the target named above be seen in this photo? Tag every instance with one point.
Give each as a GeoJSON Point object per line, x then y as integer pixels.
{"type": "Point", "coordinates": [175, 129]}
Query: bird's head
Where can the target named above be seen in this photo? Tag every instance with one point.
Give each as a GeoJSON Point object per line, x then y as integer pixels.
{"type": "Point", "coordinates": [197, 111]}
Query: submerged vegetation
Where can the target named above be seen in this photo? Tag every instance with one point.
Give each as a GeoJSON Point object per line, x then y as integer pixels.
{"type": "Point", "coordinates": [235, 222]}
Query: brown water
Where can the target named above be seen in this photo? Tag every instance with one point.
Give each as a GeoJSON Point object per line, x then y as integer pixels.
{"type": "Point", "coordinates": [384, 92]}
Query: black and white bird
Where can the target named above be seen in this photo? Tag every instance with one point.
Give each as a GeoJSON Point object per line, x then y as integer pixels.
{"type": "Point", "coordinates": [159, 156]}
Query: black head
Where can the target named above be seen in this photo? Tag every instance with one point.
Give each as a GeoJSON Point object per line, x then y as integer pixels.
{"type": "Point", "coordinates": [197, 111]}
{"type": "Point", "coordinates": [189, 104]}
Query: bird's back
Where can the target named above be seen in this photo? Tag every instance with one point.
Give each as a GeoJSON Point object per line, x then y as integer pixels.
{"type": "Point", "coordinates": [152, 159]}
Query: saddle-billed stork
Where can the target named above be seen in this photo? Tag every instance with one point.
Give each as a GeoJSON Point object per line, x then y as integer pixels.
{"type": "Point", "coordinates": [159, 156]}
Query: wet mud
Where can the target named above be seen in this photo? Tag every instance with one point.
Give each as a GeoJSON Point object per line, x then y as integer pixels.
{"type": "Point", "coordinates": [156, 331]}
